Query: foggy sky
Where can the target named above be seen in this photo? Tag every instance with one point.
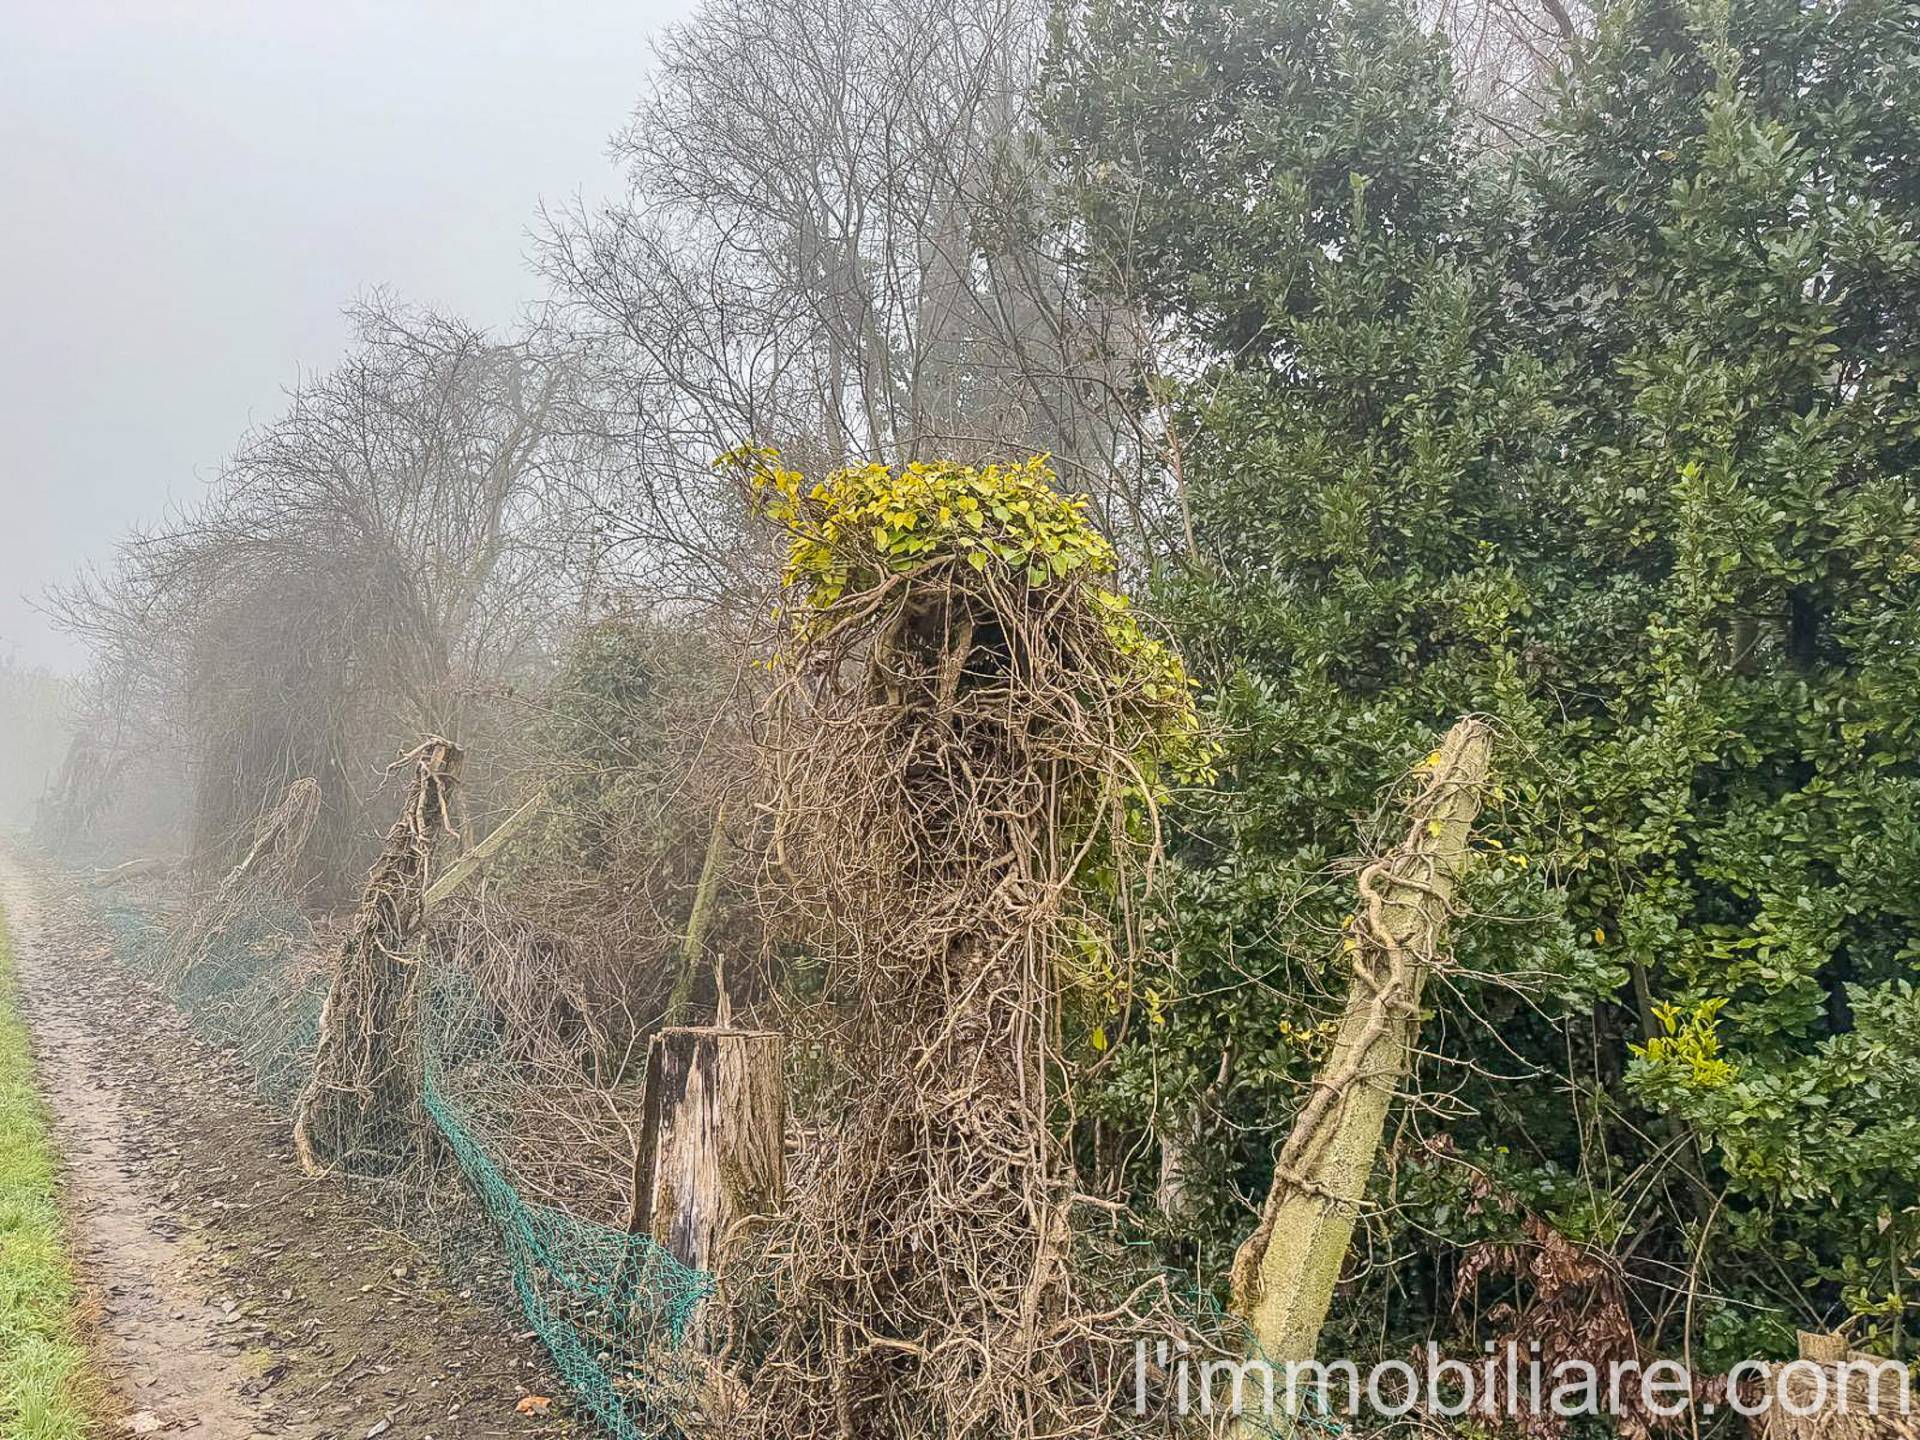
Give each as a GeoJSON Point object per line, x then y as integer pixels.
{"type": "Point", "coordinates": [191, 190]}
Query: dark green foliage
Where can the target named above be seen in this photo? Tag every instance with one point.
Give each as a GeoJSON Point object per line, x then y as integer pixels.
{"type": "Point", "coordinates": [1611, 437]}
{"type": "Point", "coordinates": [601, 726]}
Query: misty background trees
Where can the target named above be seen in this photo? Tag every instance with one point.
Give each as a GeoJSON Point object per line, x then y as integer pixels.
{"type": "Point", "coordinates": [34, 709]}
{"type": "Point", "coordinates": [1554, 363]}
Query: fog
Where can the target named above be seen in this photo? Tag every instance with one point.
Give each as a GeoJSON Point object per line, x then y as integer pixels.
{"type": "Point", "coordinates": [194, 191]}
{"type": "Point", "coordinates": [950, 685]}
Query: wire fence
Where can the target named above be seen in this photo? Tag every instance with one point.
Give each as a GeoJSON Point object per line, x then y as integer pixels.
{"type": "Point", "coordinates": [613, 1308]}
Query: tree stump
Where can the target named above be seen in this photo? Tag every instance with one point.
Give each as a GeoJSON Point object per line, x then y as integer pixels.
{"type": "Point", "coordinates": [712, 1140]}
{"type": "Point", "coordinates": [1833, 1392]}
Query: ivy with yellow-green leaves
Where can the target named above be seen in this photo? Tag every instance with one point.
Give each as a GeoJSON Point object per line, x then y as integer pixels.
{"type": "Point", "coordinates": [865, 526]}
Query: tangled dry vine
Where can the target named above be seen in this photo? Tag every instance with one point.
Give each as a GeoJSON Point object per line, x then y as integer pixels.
{"type": "Point", "coordinates": [362, 1100]}
{"type": "Point", "coordinates": [967, 743]}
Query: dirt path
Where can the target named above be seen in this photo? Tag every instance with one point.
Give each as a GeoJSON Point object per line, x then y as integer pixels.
{"type": "Point", "coordinates": [154, 1329]}
{"type": "Point", "coordinates": [235, 1297]}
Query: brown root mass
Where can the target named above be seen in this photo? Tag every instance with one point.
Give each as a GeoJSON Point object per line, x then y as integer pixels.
{"type": "Point", "coordinates": [949, 756]}
{"type": "Point", "coordinates": [362, 1104]}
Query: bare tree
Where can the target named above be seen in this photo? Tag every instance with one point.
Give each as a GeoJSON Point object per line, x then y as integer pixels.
{"type": "Point", "coordinates": [842, 237]}
{"type": "Point", "coordinates": [1507, 54]}
{"type": "Point", "coordinates": [370, 566]}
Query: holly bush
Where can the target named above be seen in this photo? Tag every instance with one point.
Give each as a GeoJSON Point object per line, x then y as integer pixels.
{"type": "Point", "coordinates": [1610, 432]}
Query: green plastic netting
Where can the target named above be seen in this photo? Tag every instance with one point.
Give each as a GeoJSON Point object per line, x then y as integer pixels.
{"type": "Point", "coordinates": [242, 988]}
{"type": "Point", "coordinates": [612, 1308]}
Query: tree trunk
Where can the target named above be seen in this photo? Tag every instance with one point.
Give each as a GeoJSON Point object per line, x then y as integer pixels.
{"type": "Point", "coordinates": [1284, 1275]}
{"type": "Point", "coordinates": [694, 948]}
{"type": "Point", "coordinates": [711, 1152]}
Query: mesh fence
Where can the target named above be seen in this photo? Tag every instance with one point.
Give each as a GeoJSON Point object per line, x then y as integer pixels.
{"type": "Point", "coordinates": [613, 1308]}
{"type": "Point", "coordinates": [477, 1173]}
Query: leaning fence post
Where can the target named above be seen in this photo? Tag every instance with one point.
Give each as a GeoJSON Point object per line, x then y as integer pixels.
{"type": "Point", "coordinates": [1285, 1272]}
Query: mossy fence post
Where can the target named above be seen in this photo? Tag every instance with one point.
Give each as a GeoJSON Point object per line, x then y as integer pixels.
{"type": "Point", "coordinates": [1285, 1272]}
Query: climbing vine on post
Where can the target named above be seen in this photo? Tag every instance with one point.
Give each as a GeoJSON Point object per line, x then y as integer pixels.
{"type": "Point", "coordinates": [1283, 1276]}
{"type": "Point", "coordinates": [361, 1106]}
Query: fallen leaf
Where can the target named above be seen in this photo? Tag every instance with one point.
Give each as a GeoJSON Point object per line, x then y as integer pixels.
{"type": "Point", "coordinates": [534, 1405]}
{"type": "Point", "coordinates": [377, 1431]}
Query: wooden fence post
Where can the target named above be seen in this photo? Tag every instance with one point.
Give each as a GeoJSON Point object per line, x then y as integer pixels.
{"type": "Point", "coordinates": [1284, 1273]}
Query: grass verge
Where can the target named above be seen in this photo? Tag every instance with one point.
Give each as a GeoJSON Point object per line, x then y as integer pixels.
{"type": "Point", "coordinates": [43, 1366]}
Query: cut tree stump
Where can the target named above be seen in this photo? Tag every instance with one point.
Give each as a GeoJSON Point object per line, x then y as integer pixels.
{"type": "Point", "coordinates": [1833, 1392]}
{"type": "Point", "coordinates": [712, 1140]}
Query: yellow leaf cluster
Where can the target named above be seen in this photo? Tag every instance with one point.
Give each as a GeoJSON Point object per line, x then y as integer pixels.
{"type": "Point", "coordinates": [870, 520]}
{"type": "Point", "coordinates": [1690, 1044]}
{"type": "Point", "coordinates": [865, 524]}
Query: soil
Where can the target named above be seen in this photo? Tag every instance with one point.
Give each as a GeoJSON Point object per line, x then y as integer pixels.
{"type": "Point", "coordinates": [231, 1295]}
